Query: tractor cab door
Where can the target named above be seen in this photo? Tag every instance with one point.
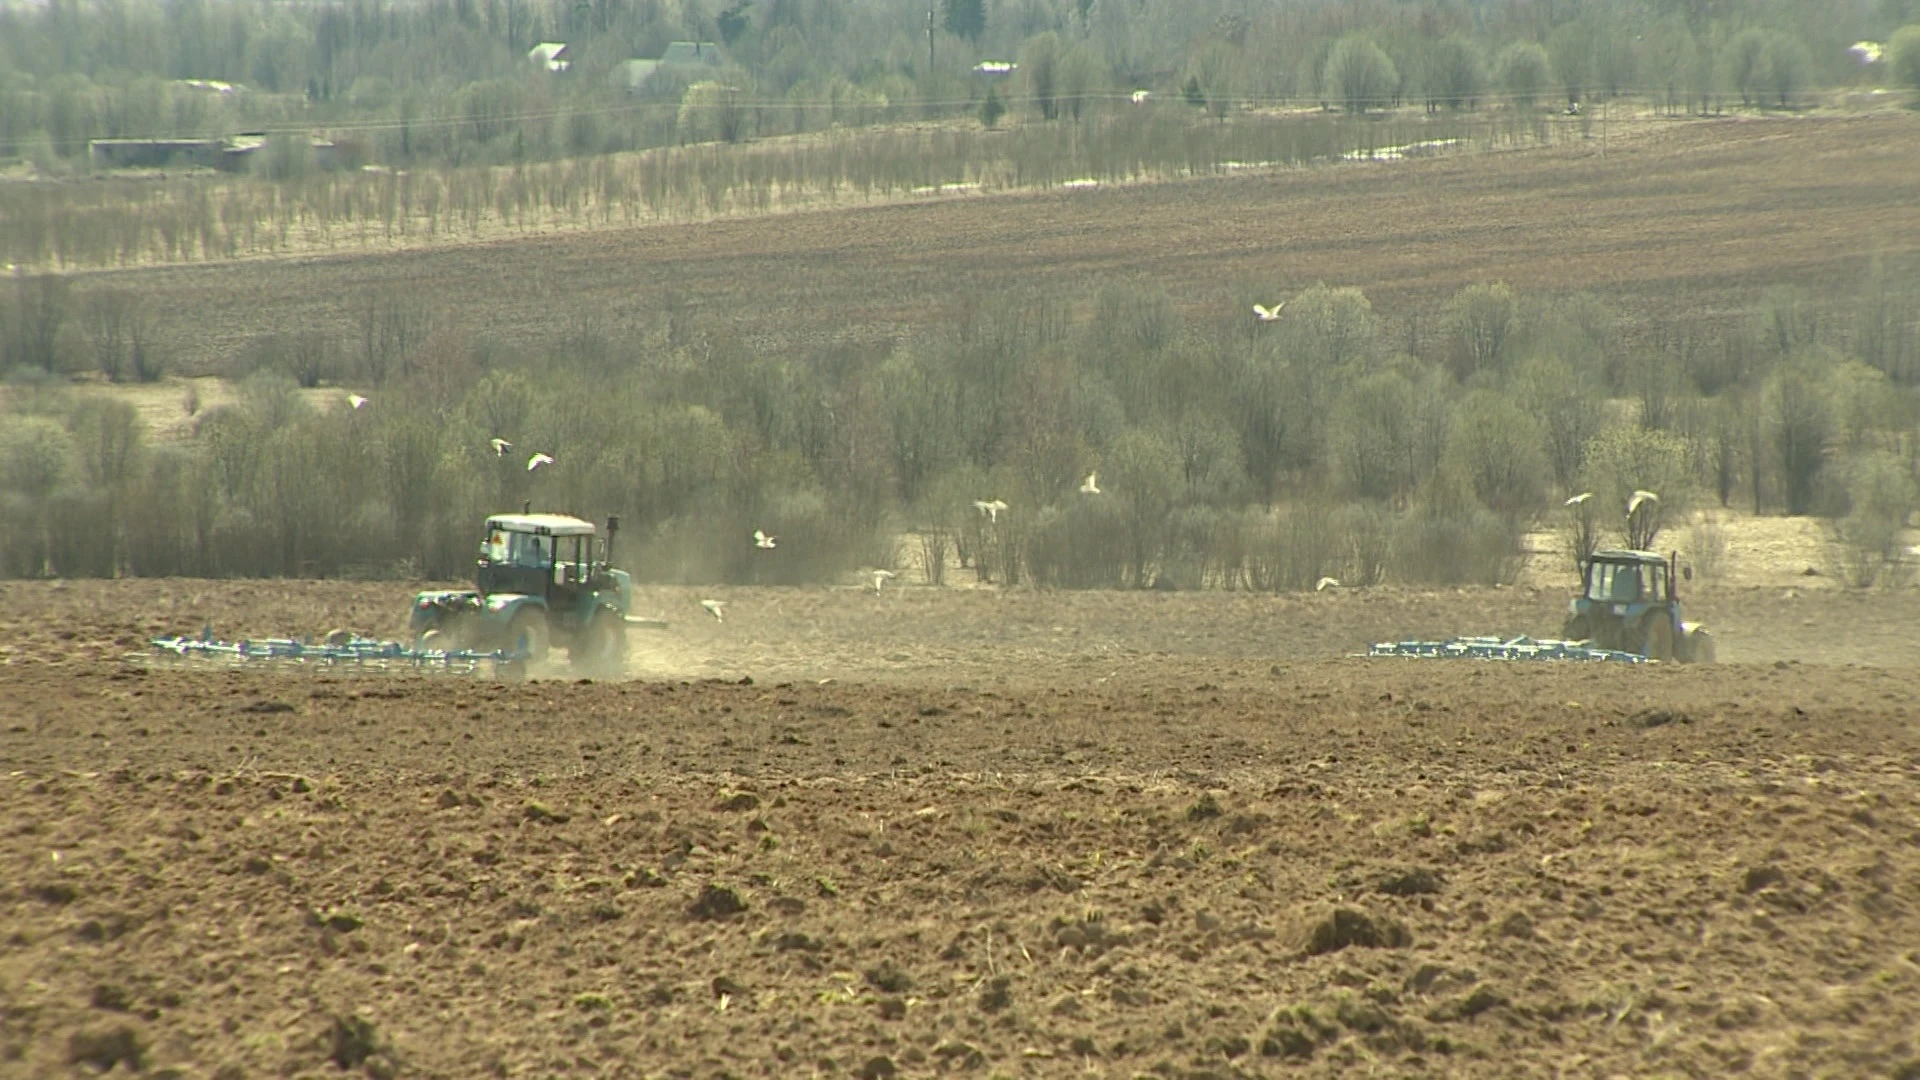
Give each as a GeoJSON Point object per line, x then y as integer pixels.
{"type": "Point", "coordinates": [516, 562]}
{"type": "Point", "coordinates": [572, 571]}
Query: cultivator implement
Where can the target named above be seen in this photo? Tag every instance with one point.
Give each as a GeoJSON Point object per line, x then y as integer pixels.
{"type": "Point", "coordinates": [1493, 648]}
{"type": "Point", "coordinates": [357, 652]}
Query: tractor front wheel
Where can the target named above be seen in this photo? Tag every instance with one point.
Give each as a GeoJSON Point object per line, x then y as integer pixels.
{"type": "Point", "coordinates": [1658, 643]}
{"type": "Point", "coordinates": [1578, 628]}
{"type": "Point", "coordinates": [528, 634]}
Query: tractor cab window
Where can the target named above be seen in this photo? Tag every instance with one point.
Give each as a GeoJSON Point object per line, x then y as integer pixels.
{"type": "Point", "coordinates": [1614, 583]}
{"type": "Point", "coordinates": [528, 550]}
{"type": "Point", "coordinates": [494, 548]}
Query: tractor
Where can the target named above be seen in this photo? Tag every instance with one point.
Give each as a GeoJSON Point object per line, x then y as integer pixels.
{"type": "Point", "coordinates": [542, 581]}
{"type": "Point", "coordinates": [1628, 602]}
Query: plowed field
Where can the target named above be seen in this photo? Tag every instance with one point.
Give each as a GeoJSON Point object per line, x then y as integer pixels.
{"type": "Point", "coordinates": [1686, 223]}
{"type": "Point", "coordinates": [967, 833]}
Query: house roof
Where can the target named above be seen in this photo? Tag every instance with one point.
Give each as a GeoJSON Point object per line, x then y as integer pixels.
{"type": "Point", "coordinates": [551, 54]}
{"type": "Point", "coordinates": [691, 52]}
{"type": "Point", "coordinates": [541, 524]}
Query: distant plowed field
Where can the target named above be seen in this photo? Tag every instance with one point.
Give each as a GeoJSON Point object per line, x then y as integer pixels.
{"type": "Point", "coordinates": [1693, 218]}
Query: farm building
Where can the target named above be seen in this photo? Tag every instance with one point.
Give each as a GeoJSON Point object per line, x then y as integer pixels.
{"type": "Point", "coordinates": [683, 58]}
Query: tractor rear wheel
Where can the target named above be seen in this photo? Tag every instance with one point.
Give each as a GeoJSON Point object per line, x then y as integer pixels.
{"type": "Point", "coordinates": [602, 644]}
{"type": "Point", "coordinates": [1657, 644]}
{"type": "Point", "coordinates": [529, 635]}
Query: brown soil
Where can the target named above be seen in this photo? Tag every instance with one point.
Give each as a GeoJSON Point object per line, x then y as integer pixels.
{"type": "Point", "coordinates": [1022, 834]}
{"type": "Point", "coordinates": [1690, 221]}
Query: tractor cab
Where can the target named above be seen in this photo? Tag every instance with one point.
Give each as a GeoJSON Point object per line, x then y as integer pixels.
{"type": "Point", "coordinates": [1628, 578]}
{"type": "Point", "coordinates": [546, 555]}
{"type": "Point", "coordinates": [1628, 602]}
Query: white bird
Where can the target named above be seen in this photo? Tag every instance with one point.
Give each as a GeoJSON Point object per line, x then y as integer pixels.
{"type": "Point", "coordinates": [1640, 498]}
{"type": "Point", "coordinates": [1324, 584]}
{"type": "Point", "coordinates": [763, 541]}
{"type": "Point", "coordinates": [538, 460]}
{"type": "Point", "coordinates": [1140, 97]}
{"type": "Point", "coordinates": [1867, 52]}
{"type": "Point", "coordinates": [991, 508]}
{"type": "Point", "coordinates": [1268, 314]}
{"type": "Point", "coordinates": [1088, 487]}
{"type": "Point", "coordinates": [500, 447]}
{"type": "Point", "coordinates": [713, 608]}
{"type": "Point", "coordinates": [355, 400]}
{"type": "Point", "coordinates": [879, 578]}
{"type": "Point", "coordinates": [1580, 498]}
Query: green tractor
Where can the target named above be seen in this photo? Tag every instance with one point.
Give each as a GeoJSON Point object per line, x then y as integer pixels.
{"type": "Point", "coordinates": [543, 581]}
{"type": "Point", "coordinates": [1629, 603]}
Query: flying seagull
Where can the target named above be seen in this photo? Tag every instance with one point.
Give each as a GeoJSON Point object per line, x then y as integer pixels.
{"type": "Point", "coordinates": [879, 578]}
{"type": "Point", "coordinates": [1268, 314]}
{"type": "Point", "coordinates": [991, 508]}
{"type": "Point", "coordinates": [355, 400]}
{"type": "Point", "coordinates": [1324, 584]}
{"type": "Point", "coordinates": [538, 460]}
{"type": "Point", "coordinates": [713, 608]}
{"type": "Point", "coordinates": [1640, 498]}
{"type": "Point", "coordinates": [1088, 486]}
{"type": "Point", "coordinates": [1580, 498]}
{"type": "Point", "coordinates": [763, 541]}
{"type": "Point", "coordinates": [500, 447]}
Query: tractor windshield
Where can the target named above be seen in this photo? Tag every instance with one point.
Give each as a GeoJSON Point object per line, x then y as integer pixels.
{"type": "Point", "coordinates": [528, 550]}
{"type": "Point", "coordinates": [1614, 583]}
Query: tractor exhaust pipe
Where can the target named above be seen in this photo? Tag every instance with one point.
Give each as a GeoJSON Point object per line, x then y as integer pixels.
{"type": "Point", "coordinates": [613, 528]}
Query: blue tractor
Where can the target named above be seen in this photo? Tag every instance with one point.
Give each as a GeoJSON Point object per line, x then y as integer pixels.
{"type": "Point", "coordinates": [1628, 602]}
{"type": "Point", "coordinates": [543, 580]}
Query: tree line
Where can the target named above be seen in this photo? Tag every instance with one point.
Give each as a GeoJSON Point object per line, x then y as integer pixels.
{"type": "Point", "coordinates": [450, 81]}
{"type": "Point", "coordinates": [1235, 454]}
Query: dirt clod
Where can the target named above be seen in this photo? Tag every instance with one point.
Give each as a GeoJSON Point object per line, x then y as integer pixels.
{"type": "Point", "coordinates": [1762, 877]}
{"type": "Point", "coordinates": [739, 803]}
{"type": "Point", "coordinates": [878, 1068]}
{"type": "Point", "coordinates": [104, 1048]}
{"type": "Point", "coordinates": [1318, 931]}
{"type": "Point", "coordinates": [716, 902]}
{"type": "Point", "coordinates": [1653, 718]}
{"type": "Point", "coordinates": [352, 1040]}
{"type": "Point", "coordinates": [1417, 881]}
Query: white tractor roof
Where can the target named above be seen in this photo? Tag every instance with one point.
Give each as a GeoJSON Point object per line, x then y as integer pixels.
{"type": "Point", "coordinates": [541, 524]}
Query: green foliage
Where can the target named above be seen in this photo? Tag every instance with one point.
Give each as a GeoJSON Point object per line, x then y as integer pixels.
{"type": "Point", "coordinates": [1455, 73]}
{"type": "Point", "coordinates": [992, 109]}
{"type": "Point", "coordinates": [1039, 64]}
{"type": "Point", "coordinates": [1524, 73]}
{"type": "Point", "coordinates": [1903, 57]}
{"type": "Point", "coordinates": [966, 18]}
{"type": "Point", "coordinates": [1624, 459]}
{"type": "Point", "coordinates": [1360, 75]}
{"type": "Point", "coordinates": [1871, 531]}
{"type": "Point", "coordinates": [1497, 453]}
{"type": "Point", "coordinates": [1478, 320]}
{"type": "Point", "coordinates": [1799, 425]}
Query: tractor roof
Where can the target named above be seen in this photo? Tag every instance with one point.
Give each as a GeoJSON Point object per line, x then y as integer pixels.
{"type": "Point", "coordinates": [1624, 555]}
{"type": "Point", "coordinates": [541, 524]}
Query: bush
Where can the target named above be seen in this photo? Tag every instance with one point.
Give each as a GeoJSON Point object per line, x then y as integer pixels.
{"type": "Point", "coordinates": [1870, 536]}
{"type": "Point", "coordinates": [1903, 57]}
